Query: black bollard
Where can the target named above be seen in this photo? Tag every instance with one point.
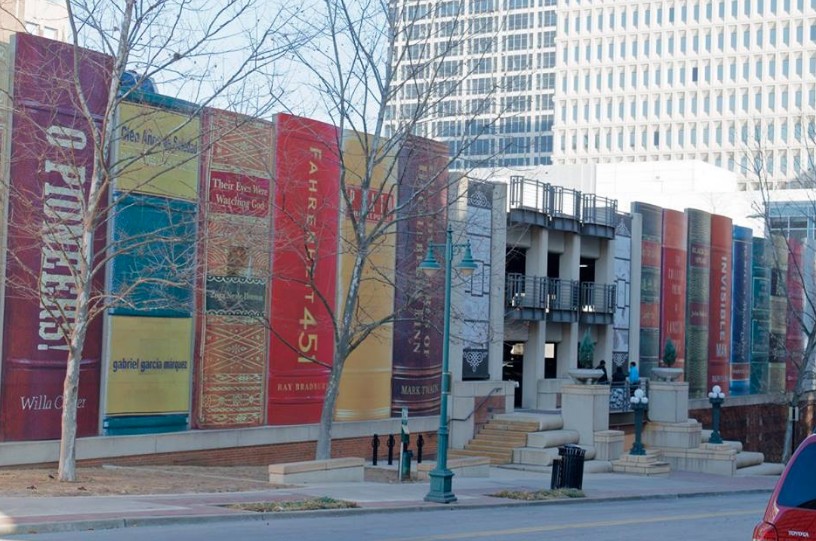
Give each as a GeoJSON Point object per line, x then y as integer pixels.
{"type": "Point", "coordinates": [375, 444]}
{"type": "Point", "coordinates": [420, 445]}
{"type": "Point", "coordinates": [390, 444]}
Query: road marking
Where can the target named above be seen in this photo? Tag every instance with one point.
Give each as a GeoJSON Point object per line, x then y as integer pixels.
{"type": "Point", "coordinates": [585, 525]}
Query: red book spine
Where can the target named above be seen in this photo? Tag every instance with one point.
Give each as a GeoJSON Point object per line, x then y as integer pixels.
{"type": "Point", "coordinates": [306, 202]}
{"type": "Point", "coordinates": [51, 164]}
{"type": "Point", "coordinates": [673, 306]}
{"type": "Point", "coordinates": [719, 319]}
{"type": "Point", "coordinates": [794, 337]}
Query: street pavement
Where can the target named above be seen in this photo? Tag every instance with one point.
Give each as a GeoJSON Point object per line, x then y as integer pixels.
{"type": "Point", "coordinates": [36, 514]}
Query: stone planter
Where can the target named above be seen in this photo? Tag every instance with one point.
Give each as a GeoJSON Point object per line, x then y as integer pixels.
{"type": "Point", "coordinates": [585, 376]}
{"type": "Point", "coordinates": [666, 374]}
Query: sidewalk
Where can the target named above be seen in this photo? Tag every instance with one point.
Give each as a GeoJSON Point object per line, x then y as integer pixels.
{"type": "Point", "coordinates": [48, 514]}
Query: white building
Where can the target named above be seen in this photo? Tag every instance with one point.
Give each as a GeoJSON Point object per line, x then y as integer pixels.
{"type": "Point", "coordinates": [47, 18]}
{"type": "Point", "coordinates": [729, 82]}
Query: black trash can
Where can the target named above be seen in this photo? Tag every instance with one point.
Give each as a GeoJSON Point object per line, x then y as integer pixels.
{"type": "Point", "coordinates": [572, 466]}
{"type": "Point", "coordinates": [557, 479]}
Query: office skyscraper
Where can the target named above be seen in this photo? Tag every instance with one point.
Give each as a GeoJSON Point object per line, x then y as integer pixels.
{"type": "Point", "coordinates": [731, 83]}
{"type": "Point", "coordinates": [490, 72]}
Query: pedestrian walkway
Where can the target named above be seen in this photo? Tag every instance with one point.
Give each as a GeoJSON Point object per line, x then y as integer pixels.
{"type": "Point", "coordinates": [44, 514]}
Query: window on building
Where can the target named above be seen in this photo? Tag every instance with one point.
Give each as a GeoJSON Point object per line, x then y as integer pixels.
{"type": "Point", "coordinates": [694, 74]}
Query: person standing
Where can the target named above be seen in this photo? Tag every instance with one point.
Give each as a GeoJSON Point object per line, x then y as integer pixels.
{"type": "Point", "coordinates": [634, 376]}
{"type": "Point", "coordinates": [604, 377]}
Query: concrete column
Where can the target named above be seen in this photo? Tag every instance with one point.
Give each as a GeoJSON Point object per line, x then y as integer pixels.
{"type": "Point", "coordinates": [533, 367]}
{"type": "Point", "coordinates": [569, 268]}
{"type": "Point", "coordinates": [497, 272]}
{"type": "Point", "coordinates": [585, 409]}
{"type": "Point", "coordinates": [605, 274]}
{"type": "Point", "coordinates": [535, 265]}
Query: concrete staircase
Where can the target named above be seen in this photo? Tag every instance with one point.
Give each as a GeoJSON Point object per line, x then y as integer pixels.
{"type": "Point", "coordinates": [499, 437]}
{"type": "Point", "coordinates": [527, 441]}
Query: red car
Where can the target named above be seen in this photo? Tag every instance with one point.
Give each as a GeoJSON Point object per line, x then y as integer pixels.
{"type": "Point", "coordinates": [791, 512]}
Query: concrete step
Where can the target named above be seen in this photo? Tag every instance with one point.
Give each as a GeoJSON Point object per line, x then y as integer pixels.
{"type": "Point", "coordinates": [552, 438]}
{"type": "Point", "coordinates": [544, 457]}
{"type": "Point", "coordinates": [736, 445]}
{"type": "Point", "coordinates": [747, 459]}
{"type": "Point", "coordinates": [543, 421]}
{"type": "Point", "coordinates": [495, 458]}
{"type": "Point", "coordinates": [513, 426]}
{"type": "Point", "coordinates": [766, 468]}
{"type": "Point", "coordinates": [502, 435]}
{"type": "Point", "coordinates": [534, 455]}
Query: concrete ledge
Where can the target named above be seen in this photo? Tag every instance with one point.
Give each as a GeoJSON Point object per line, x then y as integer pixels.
{"type": "Point", "coordinates": [708, 458]}
{"type": "Point", "coordinates": [471, 466]}
{"type": "Point", "coordinates": [648, 464]}
{"type": "Point", "coordinates": [318, 471]}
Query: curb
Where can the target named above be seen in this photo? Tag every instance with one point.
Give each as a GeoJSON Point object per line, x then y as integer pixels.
{"type": "Point", "coordinates": [136, 522]}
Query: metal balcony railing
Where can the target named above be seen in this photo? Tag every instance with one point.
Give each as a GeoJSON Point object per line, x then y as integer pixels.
{"type": "Point", "coordinates": [598, 210]}
{"type": "Point", "coordinates": [526, 291]}
{"type": "Point", "coordinates": [597, 298]}
{"type": "Point", "coordinates": [563, 294]}
{"type": "Point", "coordinates": [529, 194]}
{"type": "Point", "coordinates": [565, 203]}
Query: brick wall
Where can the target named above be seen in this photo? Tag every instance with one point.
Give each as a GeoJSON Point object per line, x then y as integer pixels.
{"type": "Point", "coordinates": [760, 427]}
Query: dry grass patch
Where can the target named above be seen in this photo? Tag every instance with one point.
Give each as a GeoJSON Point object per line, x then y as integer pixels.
{"type": "Point", "coordinates": [313, 504]}
{"type": "Point", "coordinates": [538, 495]}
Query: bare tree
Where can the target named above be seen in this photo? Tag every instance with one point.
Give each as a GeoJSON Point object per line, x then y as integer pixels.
{"type": "Point", "coordinates": [209, 52]}
{"type": "Point", "coordinates": [383, 71]}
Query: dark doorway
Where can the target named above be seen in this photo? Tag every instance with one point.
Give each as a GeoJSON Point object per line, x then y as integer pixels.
{"type": "Point", "coordinates": [550, 362]}
{"type": "Point", "coordinates": [516, 261]}
{"type": "Point", "coordinates": [553, 265]}
{"type": "Point", "coordinates": [513, 367]}
{"type": "Point", "coordinates": [587, 270]}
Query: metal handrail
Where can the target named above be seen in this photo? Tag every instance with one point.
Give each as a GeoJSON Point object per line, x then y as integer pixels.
{"type": "Point", "coordinates": [621, 392]}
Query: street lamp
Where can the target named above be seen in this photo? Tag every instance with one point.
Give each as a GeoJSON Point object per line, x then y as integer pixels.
{"type": "Point", "coordinates": [441, 477]}
{"type": "Point", "coordinates": [639, 403]}
{"type": "Point", "coordinates": [716, 397]}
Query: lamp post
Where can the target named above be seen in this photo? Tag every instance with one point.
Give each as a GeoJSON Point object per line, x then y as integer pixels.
{"type": "Point", "coordinates": [639, 403]}
{"type": "Point", "coordinates": [716, 397]}
{"type": "Point", "coordinates": [441, 477]}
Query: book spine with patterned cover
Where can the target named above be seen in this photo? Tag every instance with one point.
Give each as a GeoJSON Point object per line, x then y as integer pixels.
{"type": "Point", "coordinates": [235, 255]}
{"type": "Point", "coordinates": [697, 301]}
{"type": "Point", "coordinates": [673, 307]}
{"type": "Point", "coordinates": [740, 373]}
{"type": "Point", "coordinates": [650, 280]}
{"type": "Point", "coordinates": [760, 314]}
{"type": "Point", "coordinates": [719, 315]}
